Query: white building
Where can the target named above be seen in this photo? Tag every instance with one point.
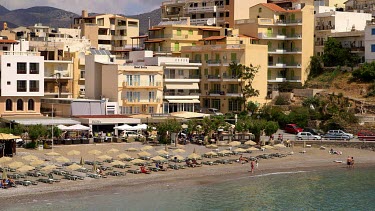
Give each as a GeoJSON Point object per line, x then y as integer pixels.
{"type": "Point", "coordinates": [370, 42]}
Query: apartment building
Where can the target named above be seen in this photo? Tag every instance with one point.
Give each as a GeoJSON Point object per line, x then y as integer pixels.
{"type": "Point", "coordinates": [136, 88]}
{"type": "Point", "coordinates": [369, 42]}
{"type": "Point", "coordinates": [331, 22]}
{"type": "Point", "coordinates": [221, 87]}
{"type": "Point", "coordinates": [221, 13]}
{"type": "Point", "coordinates": [289, 34]}
{"type": "Point", "coordinates": [22, 79]}
{"type": "Point", "coordinates": [108, 31]}
{"type": "Point", "coordinates": [363, 6]}
{"type": "Point", "coordinates": [167, 38]}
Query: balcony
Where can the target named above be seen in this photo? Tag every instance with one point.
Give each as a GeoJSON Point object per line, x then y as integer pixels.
{"type": "Point", "coordinates": [227, 62]}
{"type": "Point", "coordinates": [142, 85]}
{"type": "Point", "coordinates": [281, 79]}
{"type": "Point", "coordinates": [53, 75]}
{"type": "Point", "coordinates": [182, 78]}
{"type": "Point", "coordinates": [204, 9]}
{"type": "Point", "coordinates": [270, 36]}
{"type": "Point", "coordinates": [277, 22]}
{"type": "Point", "coordinates": [120, 37]}
{"type": "Point", "coordinates": [185, 95]}
{"type": "Point", "coordinates": [324, 27]}
{"type": "Point", "coordinates": [202, 21]}
{"type": "Point", "coordinates": [234, 93]}
{"type": "Point", "coordinates": [216, 92]}
{"type": "Point", "coordinates": [231, 78]}
{"type": "Point", "coordinates": [20, 53]}
{"type": "Point", "coordinates": [284, 65]}
{"type": "Point", "coordinates": [142, 101]}
{"type": "Point", "coordinates": [357, 49]}
{"type": "Point", "coordinates": [213, 63]}
{"type": "Point", "coordinates": [213, 77]}
{"type": "Point", "coordinates": [285, 51]}
{"type": "Point", "coordinates": [196, 49]}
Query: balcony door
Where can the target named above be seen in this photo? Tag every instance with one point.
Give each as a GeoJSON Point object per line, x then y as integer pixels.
{"type": "Point", "coordinates": [129, 80]}
{"type": "Point", "coordinates": [151, 96]}
{"type": "Point", "coordinates": [151, 80]}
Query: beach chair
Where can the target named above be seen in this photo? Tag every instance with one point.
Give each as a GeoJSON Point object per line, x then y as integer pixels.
{"type": "Point", "coordinates": [134, 171]}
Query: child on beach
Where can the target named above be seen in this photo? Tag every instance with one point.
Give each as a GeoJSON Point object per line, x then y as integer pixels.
{"type": "Point", "coordinates": [252, 166]}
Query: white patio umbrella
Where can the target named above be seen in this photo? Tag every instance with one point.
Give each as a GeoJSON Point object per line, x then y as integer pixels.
{"type": "Point", "coordinates": [78, 127]}
{"type": "Point", "coordinates": [124, 127]}
{"type": "Point", "coordinates": [62, 127]}
{"type": "Point", "coordinates": [140, 127]}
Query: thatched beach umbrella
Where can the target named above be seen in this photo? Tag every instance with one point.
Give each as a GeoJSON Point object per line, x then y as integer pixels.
{"type": "Point", "coordinates": [210, 154]}
{"type": "Point", "coordinates": [253, 149]}
{"type": "Point", "coordinates": [144, 154]}
{"type": "Point", "coordinates": [62, 159]}
{"type": "Point", "coordinates": [145, 148]}
{"type": "Point", "coordinates": [132, 149]}
{"type": "Point", "coordinates": [36, 162]}
{"type": "Point", "coordinates": [194, 156]}
{"type": "Point", "coordinates": [5, 159]}
{"type": "Point", "coordinates": [225, 152]}
{"type": "Point", "coordinates": [30, 157]}
{"type": "Point", "coordinates": [113, 151]}
{"type": "Point", "coordinates": [240, 150]}
{"type": "Point", "coordinates": [162, 152]}
{"type": "Point", "coordinates": [117, 162]}
{"type": "Point", "coordinates": [268, 147]}
{"type": "Point", "coordinates": [251, 143]}
{"type": "Point", "coordinates": [279, 146]}
{"type": "Point", "coordinates": [48, 168]}
{"type": "Point", "coordinates": [234, 143]}
{"type": "Point", "coordinates": [25, 168]}
{"type": "Point", "coordinates": [179, 157]}
{"type": "Point", "coordinates": [74, 167]}
{"type": "Point", "coordinates": [95, 153]}
{"type": "Point", "coordinates": [123, 156]}
{"type": "Point", "coordinates": [73, 152]}
{"type": "Point", "coordinates": [158, 158]}
{"type": "Point", "coordinates": [52, 154]}
{"type": "Point", "coordinates": [179, 151]}
{"type": "Point", "coordinates": [135, 161]}
{"type": "Point", "coordinates": [15, 164]}
{"type": "Point", "coordinates": [105, 157]}
{"type": "Point", "coordinates": [213, 146]}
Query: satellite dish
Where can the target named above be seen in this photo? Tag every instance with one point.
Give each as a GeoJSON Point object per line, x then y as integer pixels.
{"type": "Point", "coordinates": [210, 21]}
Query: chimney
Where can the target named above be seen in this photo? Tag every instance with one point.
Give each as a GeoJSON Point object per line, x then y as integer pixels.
{"type": "Point", "coordinates": [84, 14]}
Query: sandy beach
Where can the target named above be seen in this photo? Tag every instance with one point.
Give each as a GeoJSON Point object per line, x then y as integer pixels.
{"type": "Point", "coordinates": [313, 159]}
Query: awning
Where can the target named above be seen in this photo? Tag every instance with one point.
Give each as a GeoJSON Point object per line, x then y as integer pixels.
{"type": "Point", "coordinates": [182, 86]}
{"type": "Point", "coordinates": [184, 101]}
{"type": "Point", "coordinates": [139, 37]}
{"type": "Point", "coordinates": [156, 28]}
{"type": "Point", "coordinates": [213, 38]}
{"type": "Point", "coordinates": [153, 41]}
{"type": "Point", "coordinates": [210, 29]}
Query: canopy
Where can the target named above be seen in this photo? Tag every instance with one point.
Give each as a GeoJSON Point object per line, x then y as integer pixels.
{"type": "Point", "coordinates": [6, 136]}
{"type": "Point", "coordinates": [74, 167]}
{"type": "Point", "coordinates": [62, 127]}
{"type": "Point", "coordinates": [78, 127]}
{"type": "Point", "coordinates": [140, 127]}
{"type": "Point", "coordinates": [184, 101]}
{"type": "Point", "coordinates": [124, 127]}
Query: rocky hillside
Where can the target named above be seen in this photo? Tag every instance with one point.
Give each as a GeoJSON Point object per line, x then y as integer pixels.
{"type": "Point", "coordinates": [155, 18]}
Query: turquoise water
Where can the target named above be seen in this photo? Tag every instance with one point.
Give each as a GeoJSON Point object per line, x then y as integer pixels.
{"type": "Point", "coordinates": [338, 189]}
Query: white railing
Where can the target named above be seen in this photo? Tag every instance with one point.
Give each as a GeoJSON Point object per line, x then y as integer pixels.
{"type": "Point", "coordinates": [20, 53]}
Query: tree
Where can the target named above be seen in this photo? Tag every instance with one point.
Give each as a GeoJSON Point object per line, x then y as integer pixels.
{"type": "Point", "coordinates": [36, 132]}
{"type": "Point", "coordinates": [252, 107]}
{"type": "Point", "coordinates": [192, 126]}
{"type": "Point", "coordinates": [315, 66]}
{"type": "Point", "coordinates": [365, 73]}
{"type": "Point", "coordinates": [271, 127]}
{"type": "Point", "coordinates": [247, 75]}
{"type": "Point", "coordinates": [165, 128]}
{"type": "Point", "coordinates": [335, 54]}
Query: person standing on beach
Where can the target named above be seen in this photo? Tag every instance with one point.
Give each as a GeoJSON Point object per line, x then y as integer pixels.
{"type": "Point", "coordinates": [252, 166]}
{"type": "Point", "coordinates": [352, 162]}
{"type": "Point", "coordinates": [348, 162]}
{"type": "Point", "coordinates": [256, 163]}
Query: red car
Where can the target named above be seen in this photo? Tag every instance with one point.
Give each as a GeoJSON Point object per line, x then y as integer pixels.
{"type": "Point", "coordinates": [292, 128]}
{"type": "Point", "coordinates": [366, 135]}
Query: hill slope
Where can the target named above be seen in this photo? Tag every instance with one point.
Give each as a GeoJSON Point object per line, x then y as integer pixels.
{"type": "Point", "coordinates": [155, 18]}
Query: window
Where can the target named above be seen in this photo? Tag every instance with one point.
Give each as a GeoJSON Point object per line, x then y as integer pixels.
{"type": "Point", "coordinates": [34, 68]}
{"type": "Point", "coordinates": [30, 105]}
{"type": "Point", "coordinates": [8, 64]}
{"type": "Point", "coordinates": [206, 71]}
{"type": "Point", "coordinates": [34, 86]}
{"type": "Point", "coordinates": [8, 82]}
{"type": "Point", "coordinates": [373, 48]}
{"type": "Point", "coordinates": [260, 10]}
{"type": "Point", "coordinates": [151, 110]}
{"type": "Point", "coordinates": [82, 74]}
{"type": "Point", "coordinates": [216, 104]}
{"type": "Point", "coordinates": [234, 105]}
{"type": "Point", "coordinates": [113, 32]}
{"type": "Point", "coordinates": [8, 105]}
{"type": "Point", "coordinates": [21, 86]}
{"type": "Point", "coordinates": [202, 15]}
{"type": "Point", "coordinates": [226, 2]}
{"type": "Point", "coordinates": [233, 57]}
{"type": "Point", "coordinates": [177, 46]}
{"type": "Point", "coordinates": [226, 14]}
{"type": "Point", "coordinates": [151, 96]}
{"type": "Point", "coordinates": [373, 31]}
{"type": "Point", "coordinates": [19, 105]}
{"type": "Point", "coordinates": [190, 32]}
{"type": "Point", "coordinates": [180, 72]}
{"type": "Point", "coordinates": [206, 57]}
{"type": "Point", "coordinates": [21, 68]}
{"type": "Point", "coordinates": [5, 48]}
{"type": "Point", "coordinates": [221, 15]}
{"type": "Point", "coordinates": [100, 22]}
{"type": "Point", "coordinates": [178, 32]}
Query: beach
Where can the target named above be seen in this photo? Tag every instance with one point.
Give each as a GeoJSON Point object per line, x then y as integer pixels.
{"type": "Point", "coordinates": [313, 159]}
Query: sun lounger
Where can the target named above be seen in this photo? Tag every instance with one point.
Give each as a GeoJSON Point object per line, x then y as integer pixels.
{"type": "Point", "coordinates": [45, 180]}
{"type": "Point", "coordinates": [174, 166]}
{"type": "Point", "coordinates": [154, 169]}
{"type": "Point", "coordinates": [134, 171]}
{"type": "Point", "coordinates": [95, 176]}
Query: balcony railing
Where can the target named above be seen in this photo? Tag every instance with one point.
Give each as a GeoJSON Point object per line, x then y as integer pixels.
{"type": "Point", "coordinates": [228, 61]}
{"type": "Point", "coordinates": [213, 76]}
{"type": "Point", "coordinates": [284, 64]}
{"type": "Point", "coordinates": [284, 50]}
{"type": "Point", "coordinates": [174, 36]}
{"type": "Point", "coordinates": [34, 89]}
{"type": "Point", "coordinates": [324, 27]}
{"type": "Point", "coordinates": [142, 84]}
{"type": "Point", "coordinates": [182, 77]}
{"type": "Point", "coordinates": [279, 36]}
{"type": "Point", "coordinates": [214, 62]}
{"type": "Point", "coordinates": [20, 53]}
{"type": "Point", "coordinates": [181, 93]}
{"type": "Point", "coordinates": [217, 92]}
{"type": "Point", "coordinates": [225, 76]}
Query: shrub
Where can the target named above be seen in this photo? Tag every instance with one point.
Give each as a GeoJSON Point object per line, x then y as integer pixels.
{"type": "Point", "coordinates": [31, 145]}
{"type": "Point", "coordinates": [280, 100]}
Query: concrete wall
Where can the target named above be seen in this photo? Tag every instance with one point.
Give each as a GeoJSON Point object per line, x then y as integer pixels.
{"type": "Point", "coordinates": [306, 92]}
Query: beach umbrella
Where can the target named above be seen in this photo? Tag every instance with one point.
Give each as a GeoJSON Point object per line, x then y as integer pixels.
{"type": "Point", "coordinates": [62, 159]}
{"type": "Point", "coordinates": [158, 158]}
{"type": "Point", "coordinates": [140, 127]}
{"type": "Point", "coordinates": [145, 148]}
{"type": "Point", "coordinates": [48, 168]}
{"type": "Point", "coordinates": [234, 143]}
{"type": "Point", "coordinates": [74, 167]}
{"type": "Point", "coordinates": [113, 151]}
{"type": "Point", "coordinates": [194, 156]}
{"type": "Point", "coordinates": [144, 154]}
{"type": "Point", "coordinates": [212, 146]}
{"type": "Point", "coordinates": [124, 127]}
{"type": "Point", "coordinates": [225, 152]}
{"type": "Point", "coordinates": [25, 168]}
{"type": "Point", "coordinates": [253, 149]}
{"type": "Point", "coordinates": [73, 152]}
{"type": "Point", "coordinates": [179, 157]}
{"type": "Point", "coordinates": [36, 162]}
{"type": "Point", "coordinates": [240, 150]}
{"type": "Point", "coordinates": [62, 127]}
{"type": "Point", "coordinates": [15, 164]}
{"type": "Point", "coordinates": [30, 157]}
{"type": "Point", "coordinates": [179, 151]}
{"type": "Point", "coordinates": [137, 161]}
{"type": "Point", "coordinates": [268, 147]}
{"type": "Point", "coordinates": [251, 143]}
{"type": "Point", "coordinates": [5, 159]}
{"type": "Point", "coordinates": [105, 157]}
{"type": "Point", "coordinates": [123, 156]}
{"type": "Point", "coordinates": [132, 149]}
{"type": "Point", "coordinates": [210, 154]}
{"type": "Point", "coordinates": [95, 152]}
{"type": "Point", "coordinates": [162, 152]}
{"type": "Point", "coordinates": [4, 176]}
{"type": "Point", "coordinates": [52, 154]}
{"type": "Point", "coordinates": [280, 146]}
{"type": "Point", "coordinates": [117, 162]}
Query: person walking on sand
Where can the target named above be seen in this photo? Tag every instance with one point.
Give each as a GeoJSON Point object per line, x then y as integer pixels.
{"type": "Point", "coordinates": [352, 162]}
{"type": "Point", "coordinates": [252, 166]}
{"type": "Point", "coordinates": [256, 163]}
{"type": "Point", "coordinates": [348, 162]}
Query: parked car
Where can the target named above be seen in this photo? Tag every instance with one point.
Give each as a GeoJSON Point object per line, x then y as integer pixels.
{"type": "Point", "coordinates": [292, 128]}
{"type": "Point", "coordinates": [341, 132]}
{"type": "Point", "coordinates": [313, 131]}
{"type": "Point", "coordinates": [336, 136]}
{"type": "Point", "coordinates": [366, 135]}
{"type": "Point", "coordinates": [308, 136]}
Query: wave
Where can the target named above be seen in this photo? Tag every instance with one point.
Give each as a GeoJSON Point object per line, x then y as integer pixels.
{"type": "Point", "coordinates": [278, 173]}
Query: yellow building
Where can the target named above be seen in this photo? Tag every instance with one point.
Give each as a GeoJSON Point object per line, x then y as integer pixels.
{"type": "Point", "coordinates": [108, 31]}
{"type": "Point", "coordinates": [168, 37]}
{"type": "Point", "coordinates": [221, 88]}
{"type": "Point", "coordinates": [289, 35]}
{"type": "Point", "coordinates": [221, 13]}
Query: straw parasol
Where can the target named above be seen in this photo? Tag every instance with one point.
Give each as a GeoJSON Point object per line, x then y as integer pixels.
{"type": "Point", "coordinates": [5, 159]}
{"type": "Point", "coordinates": [137, 161]}
{"type": "Point", "coordinates": [158, 158]}
{"type": "Point", "coordinates": [104, 157]}
{"type": "Point", "coordinates": [225, 152]}
{"type": "Point", "coordinates": [144, 154]}
{"type": "Point", "coordinates": [162, 152]}
{"type": "Point", "coordinates": [253, 149]}
{"type": "Point", "coordinates": [234, 143]}
{"type": "Point", "coordinates": [95, 152]}
{"type": "Point", "coordinates": [113, 151]}
{"type": "Point", "coordinates": [117, 162]}
{"type": "Point", "coordinates": [52, 154]}
{"type": "Point", "coordinates": [25, 168]}
{"type": "Point", "coordinates": [239, 150]}
{"type": "Point", "coordinates": [145, 148]}
{"type": "Point", "coordinates": [179, 151]}
{"type": "Point", "coordinates": [132, 149]}
{"type": "Point", "coordinates": [268, 147]}
{"type": "Point", "coordinates": [279, 146]}
{"type": "Point", "coordinates": [30, 157]}
{"type": "Point", "coordinates": [194, 156]}
{"type": "Point", "coordinates": [123, 156]}
{"type": "Point", "coordinates": [210, 153]}
{"type": "Point", "coordinates": [211, 146]}
{"type": "Point", "coordinates": [15, 164]}
{"type": "Point", "coordinates": [73, 152]}
{"type": "Point", "coordinates": [48, 168]}
{"type": "Point", "coordinates": [251, 143]}
{"type": "Point", "coordinates": [62, 159]}
{"type": "Point", "coordinates": [74, 167]}
{"type": "Point", "coordinates": [36, 162]}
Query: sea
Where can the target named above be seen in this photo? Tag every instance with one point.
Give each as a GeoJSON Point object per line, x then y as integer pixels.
{"type": "Point", "coordinates": [332, 189]}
